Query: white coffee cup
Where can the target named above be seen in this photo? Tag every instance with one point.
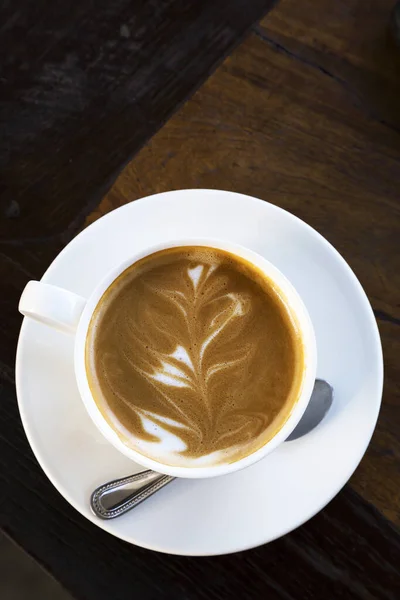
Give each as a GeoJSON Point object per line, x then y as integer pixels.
{"type": "Point", "coordinates": [68, 312]}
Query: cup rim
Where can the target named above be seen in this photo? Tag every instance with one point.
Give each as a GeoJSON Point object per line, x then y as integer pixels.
{"type": "Point", "coordinates": [310, 360]}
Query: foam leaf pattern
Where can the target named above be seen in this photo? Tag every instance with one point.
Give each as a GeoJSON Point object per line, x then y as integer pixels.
{"type": "Point", "coordinates": [193, 363]}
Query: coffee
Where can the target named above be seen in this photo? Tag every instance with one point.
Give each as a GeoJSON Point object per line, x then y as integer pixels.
{"type": "Point", "coordinates": [193, 357]}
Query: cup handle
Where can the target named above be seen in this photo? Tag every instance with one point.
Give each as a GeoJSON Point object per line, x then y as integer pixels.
{"type": "Point", "coordinates": [51, 305]}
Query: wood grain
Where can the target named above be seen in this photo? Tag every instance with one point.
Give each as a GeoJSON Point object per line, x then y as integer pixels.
{"type": "Point", "coordinates": [289, 117]}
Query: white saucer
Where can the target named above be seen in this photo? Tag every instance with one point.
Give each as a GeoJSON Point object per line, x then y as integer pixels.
{"type": "Point", "coordinates": [268, 499]}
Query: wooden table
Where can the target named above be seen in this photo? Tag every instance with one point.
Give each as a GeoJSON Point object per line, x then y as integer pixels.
{"type": "Point", "coordinates": [305, 113]}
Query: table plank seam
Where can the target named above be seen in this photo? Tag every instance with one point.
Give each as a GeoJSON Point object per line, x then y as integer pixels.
{"type": "Point", "coordinates": [260, 31]}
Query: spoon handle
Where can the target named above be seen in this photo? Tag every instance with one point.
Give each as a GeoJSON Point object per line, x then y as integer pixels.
{"type": "Point", "coordinates": [117, 497]}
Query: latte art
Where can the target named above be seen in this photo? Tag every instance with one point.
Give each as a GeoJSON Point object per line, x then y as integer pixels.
{"type": "Point", "coordinates": [193, 358]}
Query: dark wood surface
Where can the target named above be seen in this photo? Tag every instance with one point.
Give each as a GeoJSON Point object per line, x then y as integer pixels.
{"type": "Point", "coordinates": [304, 113]}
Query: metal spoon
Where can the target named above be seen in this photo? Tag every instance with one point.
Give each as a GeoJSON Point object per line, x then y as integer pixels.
{"type": "Point", "coordinates": [117, 497]}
